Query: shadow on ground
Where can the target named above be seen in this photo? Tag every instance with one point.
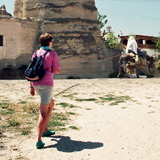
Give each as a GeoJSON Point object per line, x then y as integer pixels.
{"type": "Point", "coordinates": [65, 144]}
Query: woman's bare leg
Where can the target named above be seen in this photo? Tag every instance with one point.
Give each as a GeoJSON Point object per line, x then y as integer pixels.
{"type": "Point", "coordinates": [50, 109]}
{"type": "Point", "coordinates": [42, 120]}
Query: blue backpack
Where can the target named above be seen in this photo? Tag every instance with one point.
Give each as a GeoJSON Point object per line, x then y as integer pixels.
{"type": "Point", "coordinates": [35, 70]}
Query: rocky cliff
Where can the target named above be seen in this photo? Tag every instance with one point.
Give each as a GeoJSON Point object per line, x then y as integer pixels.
{"type": "Point", "coordinates": [74, 26]}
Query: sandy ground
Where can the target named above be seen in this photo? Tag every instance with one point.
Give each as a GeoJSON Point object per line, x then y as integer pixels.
{"type": "Point", "coordinates": [126, 131]}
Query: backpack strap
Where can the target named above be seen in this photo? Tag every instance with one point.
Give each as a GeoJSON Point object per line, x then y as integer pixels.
{"type": "Point", "coordinates": [46, 52]}
{"type": "Point", "coordinates": [35, 54]}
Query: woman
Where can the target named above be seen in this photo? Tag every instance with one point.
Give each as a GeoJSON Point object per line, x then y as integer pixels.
{"type": "Point", "coordinates": [44, 86]}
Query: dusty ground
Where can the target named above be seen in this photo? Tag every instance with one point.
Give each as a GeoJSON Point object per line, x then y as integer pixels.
{"type": "Point", "coordinates": [125, 127]}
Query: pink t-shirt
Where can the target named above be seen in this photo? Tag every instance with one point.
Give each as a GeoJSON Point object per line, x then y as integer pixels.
{"type": "Point", "coordinates": [50, 63]}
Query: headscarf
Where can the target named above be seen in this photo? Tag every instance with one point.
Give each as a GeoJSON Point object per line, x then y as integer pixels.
{"type": "Point", "coordinates": [131, 45]}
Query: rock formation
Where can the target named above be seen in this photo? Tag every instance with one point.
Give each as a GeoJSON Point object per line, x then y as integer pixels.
{"type": "Point", "coordinates": [74, 26]}
{"type": "Point", "coordinates": [3, 12]}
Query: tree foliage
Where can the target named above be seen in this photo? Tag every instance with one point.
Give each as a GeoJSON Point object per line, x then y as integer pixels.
{"type": "Point", "coordinates": [157, 44]}
{"type": "Point", "coordinates": [102, 20]}
{"type": "Point", "coordinates": [111, 41]}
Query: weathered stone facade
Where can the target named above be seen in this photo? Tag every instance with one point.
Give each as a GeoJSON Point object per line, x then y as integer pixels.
{"type": "Point", "coordinates": [74, 26]}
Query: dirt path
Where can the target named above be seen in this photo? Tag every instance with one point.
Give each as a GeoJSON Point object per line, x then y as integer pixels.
{"type": "Point", "coordinates": [118, 119]}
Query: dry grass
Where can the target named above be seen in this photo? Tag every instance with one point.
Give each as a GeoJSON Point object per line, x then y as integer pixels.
{"type": "Point", "coordinates": [21, 118]}
{"type": "Point", "coordinates": [18, 118]}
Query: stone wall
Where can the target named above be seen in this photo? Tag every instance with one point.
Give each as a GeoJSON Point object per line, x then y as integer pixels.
{"type": "Point", "coordinates": [55, 8]}
{"type": "Point", "coordinates": [75, 30]}
{"type": "Point", "coordinates": [18, 39]}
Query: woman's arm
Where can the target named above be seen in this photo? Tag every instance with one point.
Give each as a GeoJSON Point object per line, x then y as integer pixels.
{"type": "Point", "coordinates": [32, 91]}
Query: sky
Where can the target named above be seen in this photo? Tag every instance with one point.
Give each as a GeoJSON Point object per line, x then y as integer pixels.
{"type": "Point", "coordinates": [138, 17]}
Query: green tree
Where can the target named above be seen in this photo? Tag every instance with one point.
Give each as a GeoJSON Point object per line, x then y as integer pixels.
{"type": "Point", "coordinates": [102, 20]}
{"type": "Point", "coordinates": [111, 41]}
{"type": "Point", "coordinates": [157, 44]}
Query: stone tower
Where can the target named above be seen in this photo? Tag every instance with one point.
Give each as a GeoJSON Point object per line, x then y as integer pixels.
{"type": "Point", "coordinates": [76, 33]}
{"type": "Point", "coordinates": [40, 9]}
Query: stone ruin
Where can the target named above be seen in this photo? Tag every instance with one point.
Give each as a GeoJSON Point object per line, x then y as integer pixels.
{"type": "Point", "coordinates": [3, 12]}
{"type": "Point", "coordinates": [75, 30]}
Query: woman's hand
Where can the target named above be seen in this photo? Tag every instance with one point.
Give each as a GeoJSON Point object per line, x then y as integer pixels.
{"type": "Point", "coordinates": [56, 71]}
{"type": "Point", "coordinates": [32, 91]}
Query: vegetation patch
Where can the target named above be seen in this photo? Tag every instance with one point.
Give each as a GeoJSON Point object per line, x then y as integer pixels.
{"type": "Point", "coordinates": [13, 122]}
{"type": "Point", "coordinates": [26, 130]}
{"type": "Point", "coordinates": [151, 112]}
{"type": "Point", "coordinates": [22, 102]}
{"type": "Point", "coordinates": [73, 127]}
{"type": "Point", "coordinates": [115, 100]}
{"type": "Point", "coordinates": [72, 106]}
{"type": "Point", "coordinates": [21, 118]}
{"type": "Point", "coordinates": [57, 121]}
{"type": "Point", "coordinates": [15, 119]}
{"type": "Point", "coordinates": [64, 105]}
{"type": "Point", "coordinates": [71, 113]}
{"type": "Point", "coordinates": [88, 109]}
{"type": "Point", "coordinates": [89, 99]}
{"type": "Point", "coordinates": [6, 109]}
{"type": "Point", "coordinates": [70, 96]}
{"type": "Point", "coordinates": [123, 107]}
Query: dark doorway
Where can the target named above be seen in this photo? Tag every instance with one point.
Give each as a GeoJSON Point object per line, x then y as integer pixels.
{"type": "Point", "coordinates": [1, 40]}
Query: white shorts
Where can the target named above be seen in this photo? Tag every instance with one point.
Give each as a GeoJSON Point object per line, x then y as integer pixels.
{"type": "Point", "coordinates": [45, 93]}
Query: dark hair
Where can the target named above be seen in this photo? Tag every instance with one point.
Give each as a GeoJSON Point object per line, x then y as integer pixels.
{"type": "Point", "coordinates": [44, 39]}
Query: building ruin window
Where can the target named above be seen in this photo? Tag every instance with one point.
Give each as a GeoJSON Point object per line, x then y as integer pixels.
{"type": "Point", "coordinates": [1, 40]}
{"type": "Point", "coordinates": [149, 42]}
{"type": "Point", "coordinates": [125, 41]}
{"type": "Point", "coordinates": [140, 41]}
